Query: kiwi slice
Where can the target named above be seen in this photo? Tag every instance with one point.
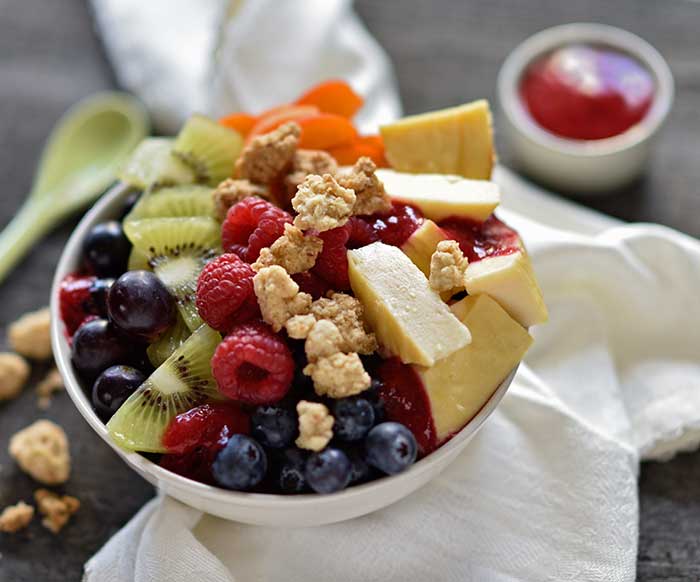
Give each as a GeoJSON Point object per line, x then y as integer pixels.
{"type": "Point", "coordinates": [208, 148]}
{"type": "Point", "coordinates": [177, 250]}
{"type": "Point", "coordinates": [188, 200]}
{"type": "Point", "coordinates": [182, 382]}
{"type": "Point", "coordinates": [152, 165]}
{"type": "Point", "coordinates": [167, 343]}
{"type": "Point", "coordinates": [138, 260]}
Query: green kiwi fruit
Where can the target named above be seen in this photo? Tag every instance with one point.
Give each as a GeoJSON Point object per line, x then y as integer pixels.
{"type": "Point", "coordinates": [168, 342]}
{"type": "Point", "coordinates": [182, 382]}
{"type": "Point", "coordinates": [138, 260]}
{"type": "Point", "coordinates": [177, 250]}
{"type": "Point", "coordinates": [152, 165]}
{"type": "Point", "coordinates": [188, 200]}
{"type": "Point", "coordinates": [208, 148]}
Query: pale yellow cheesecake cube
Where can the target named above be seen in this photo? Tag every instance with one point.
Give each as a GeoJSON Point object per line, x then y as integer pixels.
{"type": "Point", "coordinates": [440, 196]}
{"type": "Point", "coordinates": [420, 246]}
{"type": "Point", "coordinates": [458, 140]}
{"type": "Point", "coordinates": [407, 315]}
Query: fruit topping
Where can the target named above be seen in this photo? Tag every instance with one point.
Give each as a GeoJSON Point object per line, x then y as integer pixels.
{"type": "Point", "coordinates": [208, 149]}
{"type": "Point", "coordinates": [177, 250]}
{"type": "Point", "coordinates": [173, 202]}
{"type": "Point", "coordinates": [391, 447]}
{"type": "Point", "coordinates": [396, 226]}
{"type": "Point", "coordinates": [328, 471]}
{"type": "Point", "coordinates": [312, 284]}
{"type": "Point", "coordinates": [369, 190]}
{"type": "Point", "coordinates": [292, 478]}
{"type": "Point", "coordinates": [294, 251]}
{"type": "Point", "coordinates": [354, 417]}
{"type": "Point", "coordinates": [266, 156]}
{"type": "Point", "coordinates": [166, 344]}
{"type": "Point", "coordinates": [251, 225]}
{"type": "Point", "coordinates": [279, 297]}
{"type": "Point", "coordinates": [96, 346]}
{"type": "Point", "coordinates": [225, 293]}
{"type": "Point", "coordinates": [409, 318]}
{"type": "Point", "coordinates": [322, 204]}
{"type": "Point", "coordinates": [182, 382]}
{"type": "Point", "coordinates": [274, 426]}
{"type": "Point", "coordinates": [106, 249]}
{"type": "Point", "coordinates": [113, 387]}
{"type": "Point", "coordinates": [152, 166]}
{"type": "Point", "coordinates": [140, 305]}
{"type": "Point", "coordinates": [82, 297]}
{"type": "Point", "coordinates": [230, 192]}
{"type": "Point", "coordinates": [440, 196]}
{"type": "Point", "coordinates": [480, 240]}
{"type": "Point", "coordinates": [362, 233]}
{"type": "Point", "coordinates": [458, 140]}
{"type": "Point", "coordinates": [253, 365]}
{"type": "Point", "coordinates": [241, 464]}
{"type": "Point", "coordinates": [332, 262]}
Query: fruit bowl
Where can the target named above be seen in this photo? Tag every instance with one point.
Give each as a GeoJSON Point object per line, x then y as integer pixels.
{"type": "Point", "coordinates": [252, 508]}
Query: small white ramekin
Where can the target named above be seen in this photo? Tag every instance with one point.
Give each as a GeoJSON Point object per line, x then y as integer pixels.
{"type": "Point", "coordinates": [578, 166]}
{"type": "Point", "coordinates": [252, 508]}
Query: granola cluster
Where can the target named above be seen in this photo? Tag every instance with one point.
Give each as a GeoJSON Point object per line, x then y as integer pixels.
{"type": "Point", "coordinates": [230, 192]}
{"type": "Point", "coordinates": [279, 296]}
{"type": "Point", "coordinates": [322, 204]}
{"type": "Point", "coordinates": [369, 190]}
{"type": "Point", "coordinates": [307, 162]}
{"type": "Point", "coordinates": [30, 335]}
{"type": "Point", "coordinates": [16, 517]}
{"type": "Point", "coordinates": [315, 426]}
{"type": "Point", "coordinates": [294, 251]}
{"type": "Point", "coordinates": [268, 155]}
{"type": "Point", "coordinates": [56, 509]}
{"type": "Point", "coordinates": [447, 267]}
{"type": "Point", "coordinates": [52, 383]}
{"type": "Point", "coordinates": [14, 373]}
{"type": "Point", "coordinates": [41, 451]}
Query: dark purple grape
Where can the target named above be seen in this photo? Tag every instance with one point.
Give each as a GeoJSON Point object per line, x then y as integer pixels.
{"type": "Point", "coordinates": [113, 387]}
{"type": "Point", "coordinates": [141, 305]}
{"type": "Point", "coordinates": [106, 249]}
{"type": "Point", "coordinates": [97, 345]}
{"type": "Point", "coordinates": [130, 202]}
{"type": "Point", "coordinates": [98, 296]}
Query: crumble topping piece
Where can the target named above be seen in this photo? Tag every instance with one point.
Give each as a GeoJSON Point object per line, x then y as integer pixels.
{"type": "Point", "coordinates": [41, 451]}
{"type": "Point", "coordinates": [14, 372]}
{"type": "Point", "coordinates": [56, 509]}
{"type": "Point", "coordinates": [30, 335]}
{"type": "Point", "coordinates": [268, 155]}
{"type": "Point", "coordinates": [324, 339]}
{"type": "Point", "coordinates": [278, 296]}
{"type": "Point", "coordinates": [231, 192]}
{"type": "Point", "coordinates": [293, 251]}
{"type": "Point", "coordinates": [51, 383]}
{"type": "Point", "coordinates": [322, 204]}
{"type": "Point", "coordinates": [369, 190]}
{"type": "Point", "coordinates": [16, 517]}
{"type": "Point", "coordinates": [339, 375]}
{"type": "Point", "coordinates": [299, 326]}
{"type": "Point", "coordinates": [315, 426]}
{"type": "Point", "coordinates": [307, 162]}
{"type": "Point", "coordinates": [347, 313]}
{"type": "Point", "coordinates": [447, 267]}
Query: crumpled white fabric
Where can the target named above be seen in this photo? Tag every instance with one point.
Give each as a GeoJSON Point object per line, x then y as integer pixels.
{"type": "Point", "coordinates": [547, 491]}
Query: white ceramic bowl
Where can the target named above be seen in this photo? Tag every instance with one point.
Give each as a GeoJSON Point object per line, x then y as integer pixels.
{"type": "Point", "coordinates": [252, 508]}
{"type": "Point", "coordinates": [594, 166]}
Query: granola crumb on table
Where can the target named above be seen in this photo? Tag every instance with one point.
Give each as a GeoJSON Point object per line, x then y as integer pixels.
{"type": "Point", "coordinates": [56, 509]}
{"type": "Point", "coordinates": [268, 155]}
{"type": "Point", "coordinates": [231, 192]}
{"type": "Point", "coordinates": [41, 451]}
{"type": "Point", "coordinates": [52, 382]}
{"type": "Point", "coordinates": [447, 267]}
{"type": "Point", "coordinates": [369, 190]}
{"type": "Point", "coordinates": [307, 162]}
{"type": "Point", "coordinates": [315, 426]}
{"type": "Point", "coordinates": [339, 375]}
{"type": "Point", "coordinates": [278, 296]}
{"type": "Point", "coordinates": [14, 372]}
{"type": "Point", "coordinates": [30, 335]}
{"type": "Point", "coordinates": [16, 517]}
{"type": "Point", "coordinates": [322, 204]}
{"type": "Point", "coordinates": [294, 251]}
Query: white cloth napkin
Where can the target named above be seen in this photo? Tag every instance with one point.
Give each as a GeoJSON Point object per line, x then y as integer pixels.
{"type": "Point", "coordinates": [548, 489]}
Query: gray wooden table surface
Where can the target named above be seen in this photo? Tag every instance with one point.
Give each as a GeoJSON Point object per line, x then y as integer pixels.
{"type": "Point", "coordinates": [446, 52]}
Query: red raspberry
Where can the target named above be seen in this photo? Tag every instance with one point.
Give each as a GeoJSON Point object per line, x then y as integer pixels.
{"type": "Point", "coordinates": [361, 233]}
{"type": "Point", "coordinates": [398, 224]}
{"type": "Point", "coordinates": [253, 365]}
{"type": "Point", "coordinates": [225, 293]}
{"type": "Point", "coordinates": [332, 262]}
{"type": "Point", "coordinates": [312, 284]}
{"type": "Point", "coordinates": [76, 301]}
{"type": "Point", "coordinates": [250, 225]}
{"type": "Point", "coordinates": [195, 465]}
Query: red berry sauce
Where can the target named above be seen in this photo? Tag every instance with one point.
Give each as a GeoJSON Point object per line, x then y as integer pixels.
{"type": "Point", "coordinates": [587, 92]}
{"type": "Point", "coordinates": [479, 240]}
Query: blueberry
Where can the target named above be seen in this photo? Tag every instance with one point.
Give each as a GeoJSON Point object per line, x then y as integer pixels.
{"type": "Point", "coordinates": [241, 464]}
{"type": "Point", "coordinates": [328, 471]}
{"type": "Point", "coordinates": [391, 447]}
{"type": "Point", "coordinates": [98, 296]}
{"type": "Point", "coordinates": [141, 305]}
{"type": "Point", "coordinates": [354, 417]}
{"type": "Point", "coordinates": [113, 387]}
{"type": "Point", "coordinates": [274, 426]}
{"type": "Point", "coordinates": [96, 346]}
{"type": "Point", "coordinates": [106, 249]}
{"type": "Point", "coordinates": [360, 471]}
{"type": "Point", "coordinates": [373, 394]}
{"type": "Point", "coordinates": [291, 472]}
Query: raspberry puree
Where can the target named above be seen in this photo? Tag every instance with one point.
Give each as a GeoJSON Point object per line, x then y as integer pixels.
{"type": "Point", "coordinates": [479, 240]}
{"type": "Point", "coordinates": [587, 92]}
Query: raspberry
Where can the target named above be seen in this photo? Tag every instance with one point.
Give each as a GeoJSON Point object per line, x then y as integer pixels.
{"type": "Point", "coordinates": [82, 298]}
{"type": "Point", "coordinates": [250, 225]}
{"type": "Point", "coordinates": [195, 464]}
{"type": "Point", "coordinates": [312, 284]}
{"type": "Point", "coordinates": [361, 233]}
{"type": "Point", "coordinates": [225, 293]}
{"type": "Point", "coordinates": [332, 262]}
{"type": "Point", "coordinates": [398, 224]}
{"type": "Point", "coordinates": [253, 365]}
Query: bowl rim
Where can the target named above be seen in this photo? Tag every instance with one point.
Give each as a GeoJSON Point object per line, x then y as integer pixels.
{"type": "Point", "coordinates": [584, 32]}
{"type": "Point", "coordinates": [68, 263]}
